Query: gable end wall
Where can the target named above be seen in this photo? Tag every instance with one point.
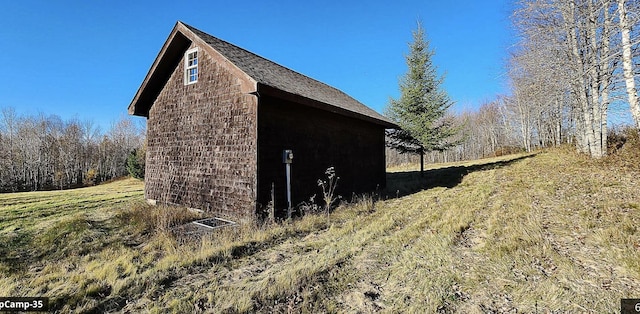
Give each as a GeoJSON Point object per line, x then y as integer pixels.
{"type": "Point", "coordinates": [202, 142]}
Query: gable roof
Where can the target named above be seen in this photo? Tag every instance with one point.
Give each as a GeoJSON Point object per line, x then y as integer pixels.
{"type": "Point", "coordinates": [269, 77]}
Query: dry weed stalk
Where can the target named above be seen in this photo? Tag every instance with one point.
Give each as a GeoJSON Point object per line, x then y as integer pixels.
{"type": "Point", "coordinates": [328, 189]}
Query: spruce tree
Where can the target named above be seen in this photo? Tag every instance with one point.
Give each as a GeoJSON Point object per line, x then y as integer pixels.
{"type": "Point", "coordinates": [422, 106]}
{"type": "Point", "coordinates": [135, 163]}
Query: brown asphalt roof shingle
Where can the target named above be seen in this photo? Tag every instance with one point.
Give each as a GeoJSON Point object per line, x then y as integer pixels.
{"type": "Point", "coordinates": [271, 74]}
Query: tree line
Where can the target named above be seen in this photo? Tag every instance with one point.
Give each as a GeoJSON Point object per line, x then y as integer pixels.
{"type": "Point", "coordinates": [573, 62]}
{"type": "Point", "coordinates": [504, 126]}
{"type": "Point", "coordinates": [46, 152]}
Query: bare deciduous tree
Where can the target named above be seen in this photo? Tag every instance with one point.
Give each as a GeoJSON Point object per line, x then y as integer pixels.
{"type": "Point", "coordinates": [580, 57]}
{"type": "Point", "coordinates": [44, 152]}
{"type": "Point", "coordinates": [627, 61]}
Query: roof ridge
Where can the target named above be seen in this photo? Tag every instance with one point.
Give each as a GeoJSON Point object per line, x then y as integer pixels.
{"type": "Point", "coordinates": [270, 73]}
{"type": "Point", "coordinates": [259, 56]}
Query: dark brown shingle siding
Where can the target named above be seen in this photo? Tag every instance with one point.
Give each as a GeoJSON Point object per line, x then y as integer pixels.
{"type": "Point", "coordinates": [319, 139]}
{"type": "Point", "coordinates": [202, 143]}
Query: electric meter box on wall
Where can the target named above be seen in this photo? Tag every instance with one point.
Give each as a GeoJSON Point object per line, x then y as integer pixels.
{"type": "Point", "coordinates": [287, 156]}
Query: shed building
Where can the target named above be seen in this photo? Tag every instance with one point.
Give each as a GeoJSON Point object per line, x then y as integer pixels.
{"type": "Point", "coordinates": [219, 118]}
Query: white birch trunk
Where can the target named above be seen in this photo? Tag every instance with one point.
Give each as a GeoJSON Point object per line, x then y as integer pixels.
{"type": "Point", "coordinates": [627, 63]}
{"type": "Point", "coordinates": [606, 77]}
{"type": "Point", "coordinates": [595, 80]}
{"type": "Point", "coordinates": [583, 127]}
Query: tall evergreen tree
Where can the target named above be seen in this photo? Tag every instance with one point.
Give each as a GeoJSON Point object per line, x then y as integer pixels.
{"type": "Point", "coordinates": [422, 106]}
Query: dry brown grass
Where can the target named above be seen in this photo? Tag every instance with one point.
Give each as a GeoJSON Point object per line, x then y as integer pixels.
{"type": "Point", "coordinates": [552, 232]}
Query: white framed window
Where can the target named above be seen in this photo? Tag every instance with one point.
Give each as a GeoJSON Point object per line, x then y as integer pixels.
{"type": "Point", "coordinates": [191, 66]}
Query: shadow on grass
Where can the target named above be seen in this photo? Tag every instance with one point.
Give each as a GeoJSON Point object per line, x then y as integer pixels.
{"type": "Point", "coordinates": [409, 182]}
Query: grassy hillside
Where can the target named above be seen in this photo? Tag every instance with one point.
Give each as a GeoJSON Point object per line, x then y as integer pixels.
{"type": "Point", "coordinates": [552, 232]}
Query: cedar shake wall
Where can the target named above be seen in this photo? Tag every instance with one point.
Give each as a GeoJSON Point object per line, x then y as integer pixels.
{"type": "Point", "coordinates": [319, 139]}
{"type": "Point", "coordinates": [202, 142]}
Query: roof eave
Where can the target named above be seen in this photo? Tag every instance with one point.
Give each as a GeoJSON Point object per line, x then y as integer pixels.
{"type": "Point", "coordinates": [171, 53]}
{"type": "Point", "coordinates": [167, 59]}
{"type": "Point", "coordinates": [284, 95]}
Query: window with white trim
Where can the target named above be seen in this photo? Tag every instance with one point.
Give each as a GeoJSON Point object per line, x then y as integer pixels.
{"type": "Point", "coordinates": [191, 66]}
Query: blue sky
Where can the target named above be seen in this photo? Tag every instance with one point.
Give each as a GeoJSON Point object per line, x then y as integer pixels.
{"type": "Point", "coordinates": [86, 59]}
